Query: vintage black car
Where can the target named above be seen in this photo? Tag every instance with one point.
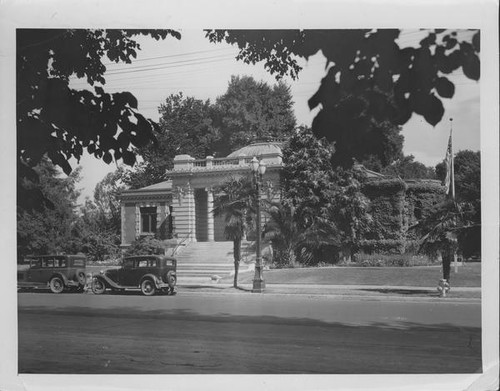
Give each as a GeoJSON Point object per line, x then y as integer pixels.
{"type": "Point", "coordinates": [58, 272]}
{"type": "Point", "coordinates": [149, 273]}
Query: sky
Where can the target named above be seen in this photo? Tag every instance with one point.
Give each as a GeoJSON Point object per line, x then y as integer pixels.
{"type": "Point", "coordinates": [201, 69]}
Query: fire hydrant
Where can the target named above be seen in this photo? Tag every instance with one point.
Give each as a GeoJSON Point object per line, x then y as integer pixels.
{"type": "Point", "coordinates": [443, 287]}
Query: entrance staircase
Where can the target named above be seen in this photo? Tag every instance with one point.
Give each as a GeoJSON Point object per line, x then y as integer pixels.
{"type": "Point", "coordinates": [210, 261]}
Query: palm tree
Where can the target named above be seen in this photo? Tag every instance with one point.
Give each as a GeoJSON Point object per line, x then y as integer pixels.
{"type": "Point", "coordinates": [284, 234]}
{"type": "Point", "coordinates": [234, 200]}
{"type": "Point", "coordinates": [293, 243]}
{"type": "Point", "coordinates": [448, 223]}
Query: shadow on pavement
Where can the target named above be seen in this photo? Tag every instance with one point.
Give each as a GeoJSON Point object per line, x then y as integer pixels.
{"type": "Point", "coordinates": [197, 287]}
{"type": "Point", "coordinates": [403, 291]}
{"type": "Point", "coordinates": [332, 348]}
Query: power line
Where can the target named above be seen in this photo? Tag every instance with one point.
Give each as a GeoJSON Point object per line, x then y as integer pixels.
{"type": "Point", "coordinates": [173, 64]}
{"type": "Point", "coordinates": [171, 56]}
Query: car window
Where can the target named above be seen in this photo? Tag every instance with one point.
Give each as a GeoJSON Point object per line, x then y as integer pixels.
{"type": "Point", "coordinates": [128, 263]}
{"type": "Point", "coordinates": [47, 262]}
{"type": "Point", "coordinates": [35, 262]}
{"type": "Point", "coordinates": [60, 262]}
{"type": "Point", "coordinates": [153, 263]}
{"type": "Point", "coordinates": [143, 263]}
{"type": "Point", "coordinates": [78, 263]}
{"type": "Point", "coordinates": [169, 262]}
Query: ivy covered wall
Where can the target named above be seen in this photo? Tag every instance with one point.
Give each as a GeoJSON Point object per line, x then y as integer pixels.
{"type": "Point", "coordinates": [421, 196]}
{"type": "Point", "coordinates": [396, 205]}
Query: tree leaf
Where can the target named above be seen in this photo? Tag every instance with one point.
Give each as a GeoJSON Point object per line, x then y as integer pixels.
{"type": "Point", "coordinates": [99, 91]}
{"type": "Point", "coordinates": [476, 41]}
{"type": "Point", "coordinates": [471, 67]}
{"type": "Point", "coordinates": [125, 98]}
{"type": "Point", "coordinates": [107, 158]}
{"type": "Point", "coordinates": [434, 110]}
{"type": "Point", "coordinates": [445, 88]}
{"type": "Point", "coordinates": [128, 158]}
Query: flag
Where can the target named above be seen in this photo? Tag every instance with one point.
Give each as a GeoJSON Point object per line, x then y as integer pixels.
{"type": "Point", "coordinates": [448, 160]}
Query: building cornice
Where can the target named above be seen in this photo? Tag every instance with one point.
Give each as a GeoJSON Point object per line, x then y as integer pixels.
{"type": "Point", "coordinates": [138, 195]}
{"type": "Point", "coordinates": [217, 170]}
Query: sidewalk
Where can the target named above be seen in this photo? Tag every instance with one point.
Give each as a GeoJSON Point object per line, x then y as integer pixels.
{"type": "Point", "coordinates": [369, 292]}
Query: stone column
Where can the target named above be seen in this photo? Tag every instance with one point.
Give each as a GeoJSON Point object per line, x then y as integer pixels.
{"type": "Point", "coordinates": [123, 223]}
{"type": "Point", "coordinates": [184, 207]}
{"type": "Point", "coordinates": [210, 216]}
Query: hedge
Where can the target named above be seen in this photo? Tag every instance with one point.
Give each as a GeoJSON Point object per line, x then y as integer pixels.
{"type": "Point", "coordinates": [388, 246]}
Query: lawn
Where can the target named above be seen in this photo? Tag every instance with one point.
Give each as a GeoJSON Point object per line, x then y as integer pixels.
{"type": "Point", "coordinates": [468, 275]}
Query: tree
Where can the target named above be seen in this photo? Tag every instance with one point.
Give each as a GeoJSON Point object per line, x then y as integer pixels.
{"type": "Point", "coordinates": [98, 240]}
{"type": "Point", "coordinates": [185, 127]}
{"type": "Point", "coordinates": [99, 225]}
{"type": "Point", "coordinates": [107, 201]}
{"type": "Point", "coordinates": [50, 229]}
{"type": "Point", "coordinates": [307, 175]}
{"type": "Point", "coordinates": [370, 79]}
{"type": "Point", "coordinates": [467, 168]}
{"type": "Point", "coordinates": [456, 223]}
{"type": "Point", "coordinates": [447, 229]}
{"type": "Point", "coordinates": [235, 201]}
{"type": "Point", "coordinates": [250, 111]}
{"type": "Point", "coordinates": [408, 168]}
{"type": "Point", "coordinates": [247, 111]}
{"type": "Point", "coordinates": [145, 245]}
{"type": "Point", "coordinates": [328, 202]}
{"type": "Point", "coordinates": [283, 232]}
{"type": "Point", "coordinates": [58, 121]}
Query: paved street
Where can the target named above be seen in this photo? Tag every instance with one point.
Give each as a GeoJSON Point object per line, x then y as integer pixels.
{"type": "Point", "coordinates": [242, 333]}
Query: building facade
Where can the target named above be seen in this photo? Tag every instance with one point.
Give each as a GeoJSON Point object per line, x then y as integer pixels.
{"type": "Point", "coordinates": [182, 207]}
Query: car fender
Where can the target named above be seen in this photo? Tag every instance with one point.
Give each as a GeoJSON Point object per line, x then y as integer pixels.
{"type": "Point", "coordinates": [150, 276]}
{"type": "Point", "coordinates": [108, 281]}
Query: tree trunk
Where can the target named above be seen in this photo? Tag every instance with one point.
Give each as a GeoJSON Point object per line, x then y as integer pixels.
{"type": "Point", "coordinates": [447, 256]}
{"type": "Point", "coordinates": [237, 257]}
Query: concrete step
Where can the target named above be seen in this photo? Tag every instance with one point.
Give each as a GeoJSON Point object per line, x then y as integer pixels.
{"type": "Point", "coordinates": [210, 267]}
{"type": "Point", "coordinates": [206, 274]}
{"type": "Point", "coordinates": [186, 261]}
{"type": "Point", "coordinates": [206, 259]}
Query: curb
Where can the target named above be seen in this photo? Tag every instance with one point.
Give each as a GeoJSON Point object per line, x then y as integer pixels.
{"type": "Point", "coordinates": [375, 293]}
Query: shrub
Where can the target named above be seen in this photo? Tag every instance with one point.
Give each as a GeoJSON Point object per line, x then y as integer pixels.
{"type": "Point", "coordinates": [392, 260]}
{"type": "Point", "coordinates": [145, 245]}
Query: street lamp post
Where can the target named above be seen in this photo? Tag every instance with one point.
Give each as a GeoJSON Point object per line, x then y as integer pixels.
{"type": "Point", "coordinates": [258, 169]}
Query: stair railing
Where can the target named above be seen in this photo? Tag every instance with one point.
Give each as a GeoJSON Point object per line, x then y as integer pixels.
{"type": "Point", "coordinates": [174, 251]}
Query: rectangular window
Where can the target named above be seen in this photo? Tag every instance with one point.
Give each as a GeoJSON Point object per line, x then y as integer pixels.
{"type": "Point", "coordinates": [79, 263]}
{"type": "Point", "coordinates": [47, 262]}
{"type": "Point", "coordinates": [128, 263]}
{"type": "Point", "coordinates": [60, 262]}
{"type": "Point", "coordinates": [148, 220]}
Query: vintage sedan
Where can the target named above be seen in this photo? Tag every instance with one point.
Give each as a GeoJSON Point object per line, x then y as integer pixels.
{"type": "Point", "coordinates": [149, 273]}
{"type": "Point", "coordinates": [57, 272]}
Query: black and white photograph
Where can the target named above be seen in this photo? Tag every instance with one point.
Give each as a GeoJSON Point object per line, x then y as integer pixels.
{"type": "Point", "coordinates": [207, 196]}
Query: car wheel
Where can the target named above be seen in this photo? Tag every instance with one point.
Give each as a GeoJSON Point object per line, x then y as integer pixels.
{"type": "Point", "coordinates": [56, 285]}
{"type": "Point", "coordinates": [148, 287]}
{"type": "Point", "coordinates": [98, 286]}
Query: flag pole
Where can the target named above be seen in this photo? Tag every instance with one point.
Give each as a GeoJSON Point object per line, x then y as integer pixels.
{"type": "Point", "coordinates": [452, 179]}
{"type": "Point", "coordinates": [452, 185]}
